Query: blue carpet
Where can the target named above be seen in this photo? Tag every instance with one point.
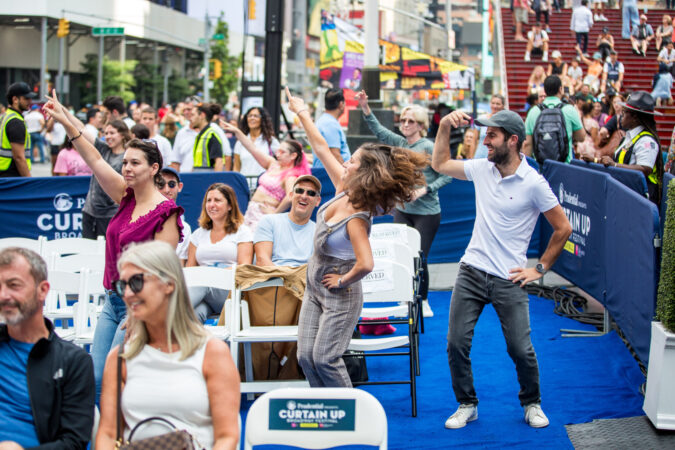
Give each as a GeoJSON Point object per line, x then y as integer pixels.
{"type": "Point", "coordinates": [581, 379]}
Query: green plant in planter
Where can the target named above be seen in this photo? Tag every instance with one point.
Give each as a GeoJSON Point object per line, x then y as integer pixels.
{"type": "Point", "coordinates": [665, 300]}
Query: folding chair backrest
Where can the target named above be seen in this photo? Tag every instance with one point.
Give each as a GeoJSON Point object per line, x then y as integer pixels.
{"type": "Point", "coordinates": [388, 282]}
{"type": "Point", "coordinates": [62, 284]}
{"type": "Point", "coordinates": [84, 311]}
{"type": "Point", "coordinates": [394, 251]}
{"type": "Point", "coordinates": [74, 263]}
{"type": "Point", "coordinates": [397, 232]}
{"type": "Point", "coordinates": [71, 246]}
{"type": "Point", "coordinates": [30, 244]}
{"type": "Point", "coordinates": [343, 417]}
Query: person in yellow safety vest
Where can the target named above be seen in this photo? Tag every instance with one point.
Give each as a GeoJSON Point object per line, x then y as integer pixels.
{"type": "Point", "coordinates": [207, 150]}
{"type": "Point", "coordinates": [641, 148]}
{"type": "Point", "coordinates": [15, 148]}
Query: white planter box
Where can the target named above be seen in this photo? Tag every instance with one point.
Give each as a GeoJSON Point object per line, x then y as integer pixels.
{"type": "Point", "coordinates": [660, 396]}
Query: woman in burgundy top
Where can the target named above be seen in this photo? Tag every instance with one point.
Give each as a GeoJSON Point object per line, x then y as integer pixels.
{"type": "Point", "coordinates": [144, 214]}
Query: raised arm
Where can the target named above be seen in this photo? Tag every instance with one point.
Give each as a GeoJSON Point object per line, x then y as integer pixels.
{"type": "Point", "coordinates": [383, 135]}
{"type": "Point", "coordinates": [263, 158]}
{"type": "Point", "coordinates": [112, 182]}
{"type": "Point", "coordinates": [441, 160]}
{"type": "Point", "coordinates": [77, 123]}
{"type": "Point", "coordinates": [318, 143]}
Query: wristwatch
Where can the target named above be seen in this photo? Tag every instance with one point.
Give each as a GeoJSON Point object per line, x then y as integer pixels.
{"type": "Point", "coordinates": [540, 268]}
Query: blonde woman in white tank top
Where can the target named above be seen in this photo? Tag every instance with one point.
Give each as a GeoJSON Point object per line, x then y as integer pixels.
{"type": "Point", "coordinates": [171, 367]}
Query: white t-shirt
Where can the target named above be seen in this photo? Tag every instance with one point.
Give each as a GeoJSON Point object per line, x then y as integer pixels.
{"type": "Point", "coordinates": [644, 151]}
{"type": "Point", "coordinates": [669, 56]}
{"type": "Point", "coordinates": [182, 149]}
{"type": "Point", "coordinates": [537, 41]}
{"type": "Point", "coordinates": [575, 73]}
{"type": "Point", "coordinates": [227, 150]}
{"type": "Point", "coordinates": [58, 135]}
{"type": "Point", "coordinates": [182, 247]}
{"type": "Point", "coordinates": [606, 67]}
{"type": "Point", "coordinates": [34, 121]}
{"type": "Point", "coordinates": [249, 166]}
{"type": "Point", "coordinates": [164, 148]}
{"type": "Point", "coordinates": [91, 130]}
{"type": "Point", "coordinates": [223, 252]}
{"type": "Point", "coordinates": [506, 214]}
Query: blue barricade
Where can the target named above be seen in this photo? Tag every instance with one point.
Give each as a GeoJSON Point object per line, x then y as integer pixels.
{"type": "Point", "coordinates": [52, 206]}
{"type": "Point", "coordinates": [611, 253]}
{"type": "Point", "coordinates": [631, 178]}
{"type": "Point", "coordinates": [458, 212]}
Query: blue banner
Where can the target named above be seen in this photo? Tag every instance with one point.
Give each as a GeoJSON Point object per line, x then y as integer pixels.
{"type": "Point", "coordinates": [581, 193]}
{"type": "Point", "coordinates": [630, 178]}
{"type": "Point", "coordinates": [52, 206]}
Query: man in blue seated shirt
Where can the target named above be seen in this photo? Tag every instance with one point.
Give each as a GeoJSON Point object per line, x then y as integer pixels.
{"type": "Point", "coordinates": [46, 384]}
{"type": "Point", "coordinates": [330, 128]}
{"type": "Point", "coordinates": [287, 239]}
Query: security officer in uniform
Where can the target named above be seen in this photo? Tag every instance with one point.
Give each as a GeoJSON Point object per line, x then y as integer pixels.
{"type": "Point", "coordinates": [15, 148]}
{"type": "Point", "coordinates": [640, 149]}
{"type": "Point", "coordinates": [208, 148]}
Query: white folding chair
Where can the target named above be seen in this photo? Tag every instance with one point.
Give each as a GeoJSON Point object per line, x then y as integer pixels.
{"type": "Point", "coordinates": [86, 311]}
{"type": "Point", "coordinates": [75, 262]}
{"type": "Point", "coordinates": [270, 419]}
{"type": "Point", "coordinates": [390, 282]}
{"type": "Point", "coordinates": [61, 286]}
{"type": "Point", "coordinates": [30, 244]}
{"type": "Point", "coordinates": [70, 246]}
{"type": "Point", "coordinates": [219, 278]}
{"type": "Point", "coordinates": [244, 333]}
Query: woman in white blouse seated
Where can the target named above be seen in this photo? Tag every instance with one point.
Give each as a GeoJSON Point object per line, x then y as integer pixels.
{"type": "Point", "coordinates": [221, 240]}
{"type": "Point", "coordinates": [171, 367]}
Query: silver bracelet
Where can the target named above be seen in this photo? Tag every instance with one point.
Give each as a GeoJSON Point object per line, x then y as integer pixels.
{"type": "Point", "coordinates": [339, 282]}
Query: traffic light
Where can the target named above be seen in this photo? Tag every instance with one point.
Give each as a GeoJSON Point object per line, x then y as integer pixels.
{"type": "Point", "coordinates": [216, 67]}
{"type": "Point", "coordinates": [64, 28]}
{"type": "Point", "coordinates": [251, 9]}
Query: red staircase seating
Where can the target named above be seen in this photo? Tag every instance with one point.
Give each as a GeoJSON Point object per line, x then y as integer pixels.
{"type": "Point", "coordinates": [639, 71]}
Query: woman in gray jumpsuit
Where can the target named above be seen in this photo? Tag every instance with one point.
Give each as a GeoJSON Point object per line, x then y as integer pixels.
{"type": "Point", "coordinates": [374, 180]}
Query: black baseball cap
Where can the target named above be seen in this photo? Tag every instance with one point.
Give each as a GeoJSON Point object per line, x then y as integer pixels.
{"type": "Point", "coordinates": [508, 120]}
{"type": "Point", "coordinates": [172, 171]}
{"type": "Point", "coordinates": [20, 89]}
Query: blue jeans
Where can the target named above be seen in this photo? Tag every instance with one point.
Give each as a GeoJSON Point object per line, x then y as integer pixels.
{"type": "Point", "coordinates": [36, 139]}
{"type": "Point", "coordinates": [630, 19]}
{"type": "Point", "coordinates": [108, 334]}
{"type": "Point", "coordinates": [473, 290]}
{"type": "Point", "coordinates": [207, 301]}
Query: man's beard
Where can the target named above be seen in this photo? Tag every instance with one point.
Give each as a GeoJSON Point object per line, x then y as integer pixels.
{"type": "Point", "coordinates": [23, 312]}
{"type": "Point", "coordinates": [500, 155]}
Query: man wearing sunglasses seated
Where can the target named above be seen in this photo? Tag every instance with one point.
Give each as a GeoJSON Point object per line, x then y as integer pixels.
{"type": "Point", "coordinates": [287, 239]}
{"type": "Point", "coordinates": [172, 186]}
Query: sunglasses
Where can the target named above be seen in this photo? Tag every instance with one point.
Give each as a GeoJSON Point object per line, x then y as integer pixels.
{"type": "Point", "coordinates": [151, 142]}
{"type": "Point", "coordinates": [310, 193]}
{"type": "Point", "coordinates": [408, 121]}
{"type": "Point", "coordinates": [135, 283]}
{"type": "Point", "coordinates": [172, 184]}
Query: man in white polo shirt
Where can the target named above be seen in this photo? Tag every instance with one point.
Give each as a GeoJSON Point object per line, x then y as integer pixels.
{"type": "Point", "coordinates": [509, 197]}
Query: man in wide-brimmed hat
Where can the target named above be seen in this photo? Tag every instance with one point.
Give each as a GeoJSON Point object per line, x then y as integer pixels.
{"type": "Point", "coordinates": [641, 148]}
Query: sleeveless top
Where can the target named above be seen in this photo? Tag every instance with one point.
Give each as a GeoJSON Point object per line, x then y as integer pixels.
{"type": "Point", "coordinates": [159, 384]}
{"type": "Point", "coordinates": [272, 185]}
{"type": "Point", "coordinates": [336, 242]}
{"type": "Point", "coordinates": [122, 231]}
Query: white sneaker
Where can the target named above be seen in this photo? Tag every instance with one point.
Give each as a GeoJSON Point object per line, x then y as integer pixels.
{"type": "Point", "coordinates": [465, 413]}
{"type": "Point", "coordinates": [596, 17]}
{"type": "Point", "coordinates": [603, 18]}
{"type": "Point", "coordinates": [534, 416]}
{"type": "Point", "coordinates": [426, 309]}
{"type": "Point", "coordinates": [527, 57]}
{"type": "Point", "coordinates": [545, 57]}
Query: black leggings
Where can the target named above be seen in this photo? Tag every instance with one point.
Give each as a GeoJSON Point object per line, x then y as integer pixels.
{"type": "Point", "coordinates": [582, 40]}
{"type": "Point", "coordinates": [427, 225]}
{"type": "Point", "coordinates": [538, 14]}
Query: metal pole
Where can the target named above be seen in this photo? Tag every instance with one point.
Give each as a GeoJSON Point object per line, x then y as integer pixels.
{"type": "Point", "coordinates": [167, 72]}
{"type": "Point", "coordinates": [123, 59]}
{"type": "Point", "coordinates": [274, 27]}
{"type": "Point", "coordinates": [371, 72]}
{"type": "Point", "coordinates": [43, 59]}
{"type": "Point", "coordinates": [207, 54]}
{"type": "Point", "coordinates": [155, 61]}
{"type": "Point", "coordinates": [62, 55]}
{"type": "Point", "coordinates": [448, 27]}
{"type": "Point", "coordinates": [99, 76]}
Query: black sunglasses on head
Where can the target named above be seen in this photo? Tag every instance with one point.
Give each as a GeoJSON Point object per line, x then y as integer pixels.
{"type": "Point", "coordinates": [310, 193]}
{"type": "Point", "coordinates": [135, 283]}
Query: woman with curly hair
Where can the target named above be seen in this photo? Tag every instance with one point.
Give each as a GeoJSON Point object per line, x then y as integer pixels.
{"type": "Point", "coordinates": [221, 240]}
{"type": "Point", "coordinates": [373, 181]}
{"type": "Point", "coordinates": [256, 124]}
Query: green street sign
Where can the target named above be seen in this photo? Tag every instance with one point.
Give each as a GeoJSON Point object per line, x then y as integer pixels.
{"type": "Point", "coordinates": [107, 31]}
{"type": "Point", "coordinates": [218, 37]}
{"type": "Point", "coordinates": [202, 41]}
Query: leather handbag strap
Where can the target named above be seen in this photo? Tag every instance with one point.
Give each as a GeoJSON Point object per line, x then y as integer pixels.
{"type": "Point", "coordinates": [119, 437]}
{"type": "Point", "coordinates": [144, 421]}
